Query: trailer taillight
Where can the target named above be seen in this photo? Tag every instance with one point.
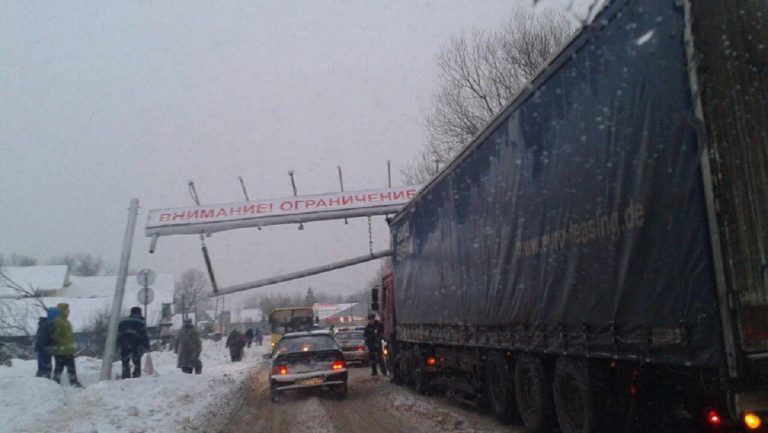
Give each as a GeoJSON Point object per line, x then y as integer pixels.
{"type": "Point", "coordinates": [713, 418]}
{"type": "Point", "coordinates": [752, 421]}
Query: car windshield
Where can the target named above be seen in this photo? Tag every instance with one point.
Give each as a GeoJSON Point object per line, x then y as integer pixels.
{"type": "Point", "coordinates": [349, 336]}
{"type": "Point", "coordinates": [313, 343]}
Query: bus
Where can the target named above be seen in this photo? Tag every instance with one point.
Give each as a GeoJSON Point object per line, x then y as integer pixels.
{"type": "Point", "coordinates": [290, 319]}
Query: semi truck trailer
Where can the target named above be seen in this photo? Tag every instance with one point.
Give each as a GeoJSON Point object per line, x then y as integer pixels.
{"type": "Point", "coordinates": [596, 259]}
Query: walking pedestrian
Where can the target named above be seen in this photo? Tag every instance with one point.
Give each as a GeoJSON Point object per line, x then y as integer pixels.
{"type": "Point", "coordinates": [44, 343]}
{"type": "Point", "coordinates": [188, 347]}
{"type": "Point", "coordinates": [235, 343]}
{"type": "Point", "coordinates": [372, 335]}
{"type": "Point", "coordinates": [64, 346]}
{"type": "Point", "coordinates": [258, 336]}
{"type": "Point", "coordinates": [249, 337]}
{"type": "Point", "coordinates": [133, 341]}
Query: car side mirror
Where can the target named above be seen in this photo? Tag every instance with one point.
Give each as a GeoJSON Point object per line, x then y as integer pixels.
{"type": "Point", "coordinates": [267, 356]}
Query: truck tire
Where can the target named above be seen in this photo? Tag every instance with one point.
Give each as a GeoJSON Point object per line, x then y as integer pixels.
{"type": "Point", "coordinates": [533, 394]}
{"type": "Point", "coordinates": [396, 370]}
{"type": "Point", "coordinates": [419, 377]}
{"type": "Point", "coordinates": [500, 388]}
{"type": "Point", "coordinates": [405, 366]}
{"type": "Point", "coordinates": [577, 401]}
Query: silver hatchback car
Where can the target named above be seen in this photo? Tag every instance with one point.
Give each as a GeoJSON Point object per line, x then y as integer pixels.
{"type": "Point", "coordinates": [352, 343]}
{"type": "Point", "coordinates": [303, 360]}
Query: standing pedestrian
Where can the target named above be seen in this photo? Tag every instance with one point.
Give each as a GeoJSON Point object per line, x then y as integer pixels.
{"type": "Point", "coordinates": [235, 343]}
{"type": "Point", "coordinates": [258, 336]}
{"type": "Point", "coordinates": [249, 337]}
{"type": "Point", "coordinates": [188, 347]}
{"type": "Point", "coordinates": [64, 346]}
{"type": "Point", "coordinates": [44, 343]}
{"type": "Point", "coordinates": [372, 335]}
{"type": "Point", "coordinates": [133, 341]}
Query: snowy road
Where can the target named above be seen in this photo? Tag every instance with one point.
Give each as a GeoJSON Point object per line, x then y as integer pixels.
{"type": "Point", "coordinates": [373, 405]}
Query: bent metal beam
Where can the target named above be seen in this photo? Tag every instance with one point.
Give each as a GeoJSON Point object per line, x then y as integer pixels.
{"type": "Point", "coordinates": [301, 274]}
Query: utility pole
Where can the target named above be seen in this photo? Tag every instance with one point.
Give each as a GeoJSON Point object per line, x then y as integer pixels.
{"type": "Point", "coordinates": [117, 302]}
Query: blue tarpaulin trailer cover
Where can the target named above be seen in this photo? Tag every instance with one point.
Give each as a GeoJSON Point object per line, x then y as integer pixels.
{"type": "Point", "coordinates": [577, 222]}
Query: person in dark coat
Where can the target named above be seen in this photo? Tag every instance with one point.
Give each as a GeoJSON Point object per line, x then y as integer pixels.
{"type": "Point", "coordinates": [235, 343]}
{"type": "Point", "coordinates": [133, 341]}
{"type": "Point", "coordinates": [372, 335]}
{"type": "Point", "coordinates": [249, 337]}
{"type": "Point", "coordinates": [258, 336]}
{"type": "Point", "coordinates": [188, 347]}
{"type": "Point", "coordinates": [44, 343]}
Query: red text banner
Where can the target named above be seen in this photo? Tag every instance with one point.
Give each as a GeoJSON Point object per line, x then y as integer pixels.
{"type": "Point", "coordinates": [257, 213]}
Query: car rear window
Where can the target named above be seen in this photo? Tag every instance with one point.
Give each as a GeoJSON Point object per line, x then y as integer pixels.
{"type": "Point", "coordinates": [349, 336]}
{"type": "Point", "coordinates": [310, 343]}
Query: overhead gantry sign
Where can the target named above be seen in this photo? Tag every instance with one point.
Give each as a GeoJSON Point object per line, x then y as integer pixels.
{"type": "Point", "coordinates": [206, 219]}
{"type": "Point", "coordinates": [259, 213]}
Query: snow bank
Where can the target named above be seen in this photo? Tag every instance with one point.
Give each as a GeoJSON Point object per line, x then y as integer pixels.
{"type": "Point", "coordinates": [169, 401]}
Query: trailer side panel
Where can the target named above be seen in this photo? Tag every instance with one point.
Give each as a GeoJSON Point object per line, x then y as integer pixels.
{"type": "Point", "coordinates": [577, 223]}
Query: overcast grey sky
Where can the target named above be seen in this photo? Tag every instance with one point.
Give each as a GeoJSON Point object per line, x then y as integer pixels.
{"type": "Point", "coordinates": [104, 101]}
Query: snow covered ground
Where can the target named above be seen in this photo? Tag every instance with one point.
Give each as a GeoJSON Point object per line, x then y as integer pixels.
{"type": "Point", "coordinates": [169, 401]}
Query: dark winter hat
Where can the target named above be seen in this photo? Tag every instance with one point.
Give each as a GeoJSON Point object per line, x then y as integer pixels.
{"type": "Point", "coordinates": [135, 311]}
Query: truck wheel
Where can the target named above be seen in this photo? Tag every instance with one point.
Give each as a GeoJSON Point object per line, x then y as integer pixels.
{"type": "Point", "coordinates": [418, 376]}
{"type": "Point", "coordinates": [533, 394]}
{"type": "Point", "coordinates": [575, 399]}
{"type": "Point", "coordinates": [405, 367]}
{"type": "Point", "coordinates": [396, 372]}
{"type": "Point", "coordinates": [498, 378]}
{"type": "Point", "coordinates": [420, 381]}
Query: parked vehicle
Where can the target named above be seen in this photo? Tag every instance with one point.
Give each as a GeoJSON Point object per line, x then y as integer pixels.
{"type": "Point", "coordinates": [595, 260]}
{"type": "Point", "coordinates": [352, 343]}
{"type": "Point", "coordinates": [303, 360]}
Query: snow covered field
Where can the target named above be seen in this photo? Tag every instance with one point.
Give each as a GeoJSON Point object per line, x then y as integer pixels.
{"type": "Point", "coordinates": [169, 401]}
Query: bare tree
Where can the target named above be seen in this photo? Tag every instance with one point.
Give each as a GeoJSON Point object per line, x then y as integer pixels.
{"type": "Point", "coordinates": [18, 260]}
{"type": "Point", "coordinates": [480, 72]}
{"type": "Point", "coordinates": [19, 306]}
{"type": "Point", "coordinates": [309, 298]}
{"type": "Point", "coordinates": [83, 265]}
{"type": "Point", "coordinates": [191, 292]}
{"type": "Point", "coordinates": [96, 330]}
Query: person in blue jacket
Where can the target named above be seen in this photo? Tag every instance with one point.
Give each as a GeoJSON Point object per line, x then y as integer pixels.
{"type": "Point", "coordinates": [43, 343]}
{"type": "Point", "coordinates": [133, 341]}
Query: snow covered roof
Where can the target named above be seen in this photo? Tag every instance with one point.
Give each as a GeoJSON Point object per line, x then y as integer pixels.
{"type": "Point", "coordinates": [357, 311]}
{"type": "Point", "coordinates": [92, 287]}
{"type": "Point", "coordinates": [90, 296]}
{"type": "Point", "coordinates": [25, 312]}
{"type": "Point", "coordinates": [324, 310]}
{"type": "Point", "coordinates": [37, 278]}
